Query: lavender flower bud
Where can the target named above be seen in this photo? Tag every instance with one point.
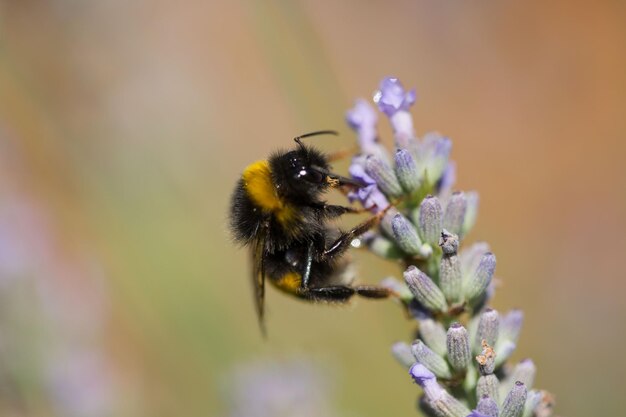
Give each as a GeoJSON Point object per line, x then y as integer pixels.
{"type": "Point", "coordinates": [487, 406]}
{"type": "Point", "coordinates": [405, 235]}
{"type": "Point", "coordinates": [450, 278]}
{"type": "Point", "coordinates": [481, 278]}
{"type": "Point", "coordinates": [397, 287]}
{"type": "Point", "coordinates": [458, 347]}
{"type": "Point", "coordinates": [434, 335]}
{"type": "Point", "coordinates": [471, 212]}
{"type": "Point", "coordinates": [513, 405]}
{"type": "Point", "coordinates": [430, 219]}
{"type": "Point", "coordinates": [431, 360]}
{"type": "Point", "coordinates": [436, 397]}
{"type": "Point", "coordinates": [402, 352]}
{"type": "Point", "coordinates": [486, 359]}
{"type": "Point", "coordinates": [383, 247]}
{"type": "Point", "coordinates": [447, 180]}
{"type": "Point", "coordinates": [524, 372]}
{"type": "Point", "coordinates": [406, 171]}
{"type": "Point", "coordinates": [425, 290]}
{"type": "Point", "coordinates": [426, 379]}
{"type": "Point", "coordinates": [488, 385]}
{"type": "Point", "coordinates": [533, 399]}
{"type": "Point", "coordinates": [511, 326]}
{"type": "Point", "coordinates": [504, 352]}
{"type": "Point", "coordinates": [545, 406]}
{"type": "Point", "coordinates": [435, 150]}
{"type": "Point", "coordinates": [384, 176]}
{"type": "Point", "coordinates": [488, 328]}
{"type": "Point", "coordinates": [470, 258]}
{"type": "Point", "coordinates": [476, 413]}
{"type": "Point", "coordinates": [455, 213]}
{"type": "Point", "coordinates": [448, 406]}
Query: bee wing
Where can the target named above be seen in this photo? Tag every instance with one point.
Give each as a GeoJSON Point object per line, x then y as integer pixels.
{"type": "Point", "coordinates": [258, 278]}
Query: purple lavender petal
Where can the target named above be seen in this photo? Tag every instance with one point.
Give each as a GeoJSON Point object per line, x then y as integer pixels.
{"type": "Point", "coordinates": [363, 119]}
{"type": "Point", "coordinates": [391, 96]}
{"type": "Point", "coordinates": [369, 196]}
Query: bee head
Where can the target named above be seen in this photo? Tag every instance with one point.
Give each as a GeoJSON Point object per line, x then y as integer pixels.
{"type": "Point", "coordinates": [301, 174]}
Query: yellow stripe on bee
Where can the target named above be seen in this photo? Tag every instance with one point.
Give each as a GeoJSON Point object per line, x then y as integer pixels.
{"type": "Point", "coordinates": [257, 180]}
{"type": "Point", "coordinates": [290, 282]}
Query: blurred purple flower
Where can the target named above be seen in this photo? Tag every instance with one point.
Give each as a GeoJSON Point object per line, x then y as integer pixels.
{"type": "Point", "coordinates": [363, 119]}
{"type": "Point", "coordinates": [391, 96]}
{"type": "Point", "coordinates": [395, 103]}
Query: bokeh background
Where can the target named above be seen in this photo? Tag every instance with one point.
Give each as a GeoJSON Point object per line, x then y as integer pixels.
{"type": "Point", "coordinates": [124, 126]}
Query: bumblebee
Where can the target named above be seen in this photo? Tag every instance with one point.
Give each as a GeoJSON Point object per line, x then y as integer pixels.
{"type": "Point", "coordinates": [278, 212]}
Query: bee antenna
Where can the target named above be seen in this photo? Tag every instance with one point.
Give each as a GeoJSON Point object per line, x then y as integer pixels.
{"type": "Point", "coordinates": [297, 139]}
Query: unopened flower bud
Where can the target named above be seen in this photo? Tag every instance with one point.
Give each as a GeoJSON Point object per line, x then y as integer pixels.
{"type": "Point", "coordinates": [405, 235]}
{"type": "Point", "coordinates": [384, 176]}
{"type": "Point", "coordinates": [430, 360]}
{"type": "Point", "coordinates": [488, 327]}
{"type": "Point", "coordinates": [406, 171]}
{"type": "Point", "coordinates": [433, 334]}
{"type": "Point", "coordinates": [430, 219]}
{"type": "Point", "coordinates": [402, 352]}
{"type": "Point", "coordinates": [487, 406]}
{"type": "Point", "coordinates": [450, 278]}
{"type": "Point", "coordinates": [470, 258]}
{"type": "Point", "coordinates": [398, 288]}
{"type": "Point", "coordinates": [471, 212]}
{"type": "Point", "coordinates": [481, 278]}
{"type": "Point", "coordinates": [425, 290]}
{"type": "Point", "coordinates": [524, 372]}
{"type": "Point", "coordinates": [511, 326]}
{"type": "Point", "coordinates": [504, 351]}
{"type": "Point", "coordinates": [488, 385]}
{"type": "Point", "coordinates": [458, 347]}
{"type": "Point", "coordinates": [455, 213]}
{"type": "Point", "coordinates": [435, 151]}
{"type": "Point", "coordinates": [513, 405]}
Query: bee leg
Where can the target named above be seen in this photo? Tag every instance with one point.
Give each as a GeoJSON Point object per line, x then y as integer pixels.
{"type": "Point", "coordinates": [306, 274]}
{"type": "Point", "coordinates": [373, 291]}
{"type": "Point", "coordinates": [343, 242]}
{"type": "Point", "coordinates": [335, 293]}
{"type": "Point", "coordinates": [333, 211]}
{"type": "Point", "coordinates": [341, 293]}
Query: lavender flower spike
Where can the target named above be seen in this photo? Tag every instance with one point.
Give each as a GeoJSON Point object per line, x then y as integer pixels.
{"type": "Point", "coordinates": [395, 103]}
{"type": "Point", "coordinates": [448, 285]}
